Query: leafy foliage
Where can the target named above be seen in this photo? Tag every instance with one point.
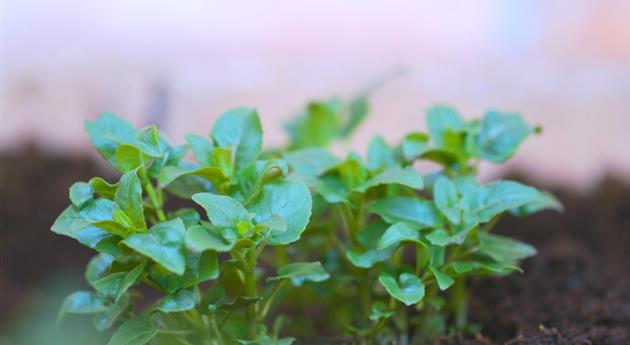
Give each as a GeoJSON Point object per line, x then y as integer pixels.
{"type": "Point", "coordinates": [248, 205]}
{"type": "Point", "coordinates": [341, 230]}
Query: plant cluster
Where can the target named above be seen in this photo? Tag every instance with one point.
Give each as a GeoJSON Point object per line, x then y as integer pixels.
{"type": "Point", "coordinates": [367, 247]}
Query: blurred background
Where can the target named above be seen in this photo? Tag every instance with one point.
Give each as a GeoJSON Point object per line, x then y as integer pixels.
{"type": "Point", "coordinates": [564, 65]}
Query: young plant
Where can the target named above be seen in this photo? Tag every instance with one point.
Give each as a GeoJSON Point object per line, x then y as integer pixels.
{"type": "Point", "coordinates": [210, 286]}
{"type": "Point", "coordinates": [390, 213]}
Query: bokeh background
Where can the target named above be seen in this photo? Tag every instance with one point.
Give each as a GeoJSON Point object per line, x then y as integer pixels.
{"type": "Point", "coordinates": [562, 64]}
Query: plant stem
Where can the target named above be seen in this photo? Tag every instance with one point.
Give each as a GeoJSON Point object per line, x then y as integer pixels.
{"type": "Point", "coordinates": [155, 200]}
{"type": "Point", "coordinates": [250, 290]}
{"type": "Point", "coordinates": [459, 302]}
{"type": "Point", "coordinates": [216, 330]}
{"type": "Point", "coordinates": [267, 304]}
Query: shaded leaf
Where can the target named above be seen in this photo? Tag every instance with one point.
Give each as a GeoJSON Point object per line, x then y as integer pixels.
{"type": "Point", "coordinates": [504, 249]}
{"type": "Point", "coordinates": [182, 300]}
{"type": "Point", "coordinates": [201, 148]}
{"type": "Point", "coordinates": [129, 197]}
{"type": "Point", "coordinates": [134, 332]}
{"type": "Point", "coordinates": [200, 238]}
{"type": "Point", "coordinates": [222, 210]}
{"type": "Point", "coordinates": [300, 272]}
{"type": "Point", "coordinates": [81, 302]}
{"type": "Point", "coordinates": [80, 193]}
{"type": "Point", "coordinates": [108, 132]}
{"type": "Point", "coordinates": [403, 176]}
{"type": "Point", "coordinates": [163, 243]}
{"type": "Point", "coordinates": [447, 199]}
{"type": "Point", "coordinates": [289, 200]}
{"type": "Point", "coordinates": [368, 258]}
{"type": "Point", "coordinates": [440, 119]}
{"type": "Point", "coordinates": [441, 237]}
{"type": "Point", "coordinates": [398, 233]}
{"type": "Point", "coordinates": [311, 161]}
{"type": "Point", "coordinates": [501, 135]}
{"type": "Point", "coordinates": [407, 209]}
{"type": "Point", "coordinates": [380, 155]}
{"type": "Point", "coordinates": [239, 129]}
{"type": "Point", "coordinates": [408, 288]}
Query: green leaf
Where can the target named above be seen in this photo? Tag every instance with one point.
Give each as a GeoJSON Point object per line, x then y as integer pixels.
{"type": "Point", "coordinates": [440, 119]}
{"type": "Point", "coordinates": [70, 223]}
{"type": "Point", "coordinates": [357, 111]}
{"type": "Point", "coordinates": [330, 187]}
{"type": "Point", "coordinates": [239, 129]}
{"type": "Point", "coordinates": [463, 268]}
{"type": "Point", "coordinates": [444, 280]}
{"type": "Point", "coordinates": [352, 171]}
{"type": "Point", "coordinates": [200, 267]}
{"type": "Point", "coordinates": [129, 197]}
{"type": "Point", "coordinates": [380, 311]}
{"type": "Point", "coordinates": [108, 132]}
{"type": "Point", "coordinates": [81, 302]}
{"type": "Point", "coordinates": [441, 237]}
{"type": "Point", "coordinates": [300, 272]}
{"type": "Point", "coordinates": [318, 126]}
{"type": "Point", "coordinates": [148, 141]}
{"type": "Point", "coordinates": [103, 188]}
{"type": "Point", "coordinates": [408, 288]}
{"type": "Point", "coordinates": [170, 174]}
{"type": "Point", "coordinates": [97, 266]}
{"type": "Point", "coordinates": [103, 321]}
{"type": "Point", "coordinates": [108, 285]}
{"type": "Point", "coordinates": [545, 201]}
{"type": "Point", "coordinates": [414, 145]}
{"type": "Point", "coordinates": [252, 178]}
{"type": "Point", "coordinates": [481, 203]}
{"type": "Point", "coordinates": [311, 161]}
{"type": "Point", "coordinates": [80, 192]}
{"type": "Point", "coordinates": [134, 332]}
{"type": "Point", "coordinates": [201, 148]}
{"type": "Point", "coordinates": [501, 135]}
{"type": "Point", "coordinates": [200, 238]}
{"type": "Point", "coordinates": [188, 185]}
{"type": "Point", "coordinates": [447, 199]}
{"type": "Point", "coordinates": [398, 233]}
{"type": "Point", "coordinates": [222, 210]}
{"type": "Point", "coordinates": [129, 279]}
{"type": "Point", "coordinates": [504, 249]}
{"type": "Point", "coordinates": [403, 176]}
{"type": "Point", "coordinates": [407, 209]}
{"type": "Point", "coordinates": [189, 216]}
{"type": "Point", "coordinates": [368, 258]}
{"type": "Point", "coordinates": [289, 200]}
{"type": "Point", "coordinates": [380, 155]}
{"type": "Point", "coordinates": [163, 243]}
{"type": "Point", "coordinates": [182, 300]}
{"type": "Point", "coordinates": [127, 158]}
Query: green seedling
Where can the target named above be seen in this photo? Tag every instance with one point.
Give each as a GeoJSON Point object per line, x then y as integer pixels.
{"type": "Point", "coordinates": [404, 244]}
{"type": "Point", "coordinates": [203, 259]}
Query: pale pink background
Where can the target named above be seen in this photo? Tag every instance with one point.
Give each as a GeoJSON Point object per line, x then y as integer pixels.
{"type": "Point", "coordinates": [562, 64]}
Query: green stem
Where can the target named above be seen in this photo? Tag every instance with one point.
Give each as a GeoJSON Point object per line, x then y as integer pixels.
{"type": "Point", "coordinates": [216, 330]}
{"type": "Point", "coordinates": [267, 304]}
{"type": "Point", "coordinates": [155, 200]}
{"type": "Point", "coordinates": [376, 329]}
{"type": "Point", "coordinates": [250, 290]}
{"type": "Point", "coordinates": [459, 302]}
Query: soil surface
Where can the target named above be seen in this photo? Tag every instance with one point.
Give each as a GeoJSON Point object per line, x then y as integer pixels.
{"type": "Point", "coordinates": [576, 291]}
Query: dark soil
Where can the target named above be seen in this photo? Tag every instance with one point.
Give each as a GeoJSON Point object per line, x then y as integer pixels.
{"type": "Point", "coordinates": [576, 291]}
